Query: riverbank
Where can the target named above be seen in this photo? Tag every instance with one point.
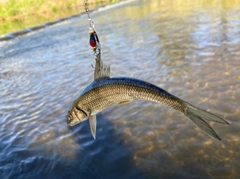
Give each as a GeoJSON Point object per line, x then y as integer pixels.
{"type": "Point", "coordinates": [17, 15]}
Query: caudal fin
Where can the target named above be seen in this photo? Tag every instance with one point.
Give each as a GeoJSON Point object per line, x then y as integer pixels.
{"type": "Point", "coordinates": [199, 117]}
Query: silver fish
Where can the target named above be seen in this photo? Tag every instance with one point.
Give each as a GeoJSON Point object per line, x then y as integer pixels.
{"type": "Point", "coordinates": [105, 92]}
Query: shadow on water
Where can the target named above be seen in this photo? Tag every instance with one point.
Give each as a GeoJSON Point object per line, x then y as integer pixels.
{"type": "Point", "coordinates": [105, 157]}
{"type": "Point", "coordinates": [109, 157]}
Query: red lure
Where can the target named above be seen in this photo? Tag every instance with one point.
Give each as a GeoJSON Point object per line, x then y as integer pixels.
{"type": "Point", "coordinates": [92, 40]}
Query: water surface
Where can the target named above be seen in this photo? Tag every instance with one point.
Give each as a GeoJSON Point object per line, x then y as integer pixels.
{"type": "Point", "coordinates": [189, 48]}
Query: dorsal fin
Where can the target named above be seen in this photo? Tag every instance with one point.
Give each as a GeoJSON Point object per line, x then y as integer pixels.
{"type": "Point", "coordinates": [101, 70]}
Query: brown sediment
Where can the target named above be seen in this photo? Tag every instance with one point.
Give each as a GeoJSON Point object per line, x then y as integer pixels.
{"type": "Point", "coordinates": [21, 32]}
{"type": "Point", "coordinates": [37, 27]}
{"type": "Point", "coordinates": [6, 37]}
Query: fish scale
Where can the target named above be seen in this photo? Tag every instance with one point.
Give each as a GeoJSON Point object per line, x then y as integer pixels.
{"type": "Point", "coordinates": [104, 92]}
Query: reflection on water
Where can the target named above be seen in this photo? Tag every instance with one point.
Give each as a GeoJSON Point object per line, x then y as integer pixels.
{"type": "Point", "coordinates": [190, 48]}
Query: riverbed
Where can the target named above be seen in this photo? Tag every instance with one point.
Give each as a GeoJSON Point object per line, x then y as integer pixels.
{"type": "Point", "coordinates": [189, 48]}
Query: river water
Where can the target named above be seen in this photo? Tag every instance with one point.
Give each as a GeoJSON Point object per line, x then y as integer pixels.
{"type": "Point", "coordinates": [190, 48]}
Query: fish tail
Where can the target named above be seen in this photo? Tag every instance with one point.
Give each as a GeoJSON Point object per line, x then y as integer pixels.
{"type": "Point", "coordinates": [199, 117]}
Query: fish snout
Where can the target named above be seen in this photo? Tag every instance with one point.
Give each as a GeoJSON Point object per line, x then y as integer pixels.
{"type": "Point", "coordinates": [76, 115]}
{"type": "Point", "coordinates": [70, 120]}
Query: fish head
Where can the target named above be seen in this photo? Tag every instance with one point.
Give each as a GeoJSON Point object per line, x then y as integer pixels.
{"type": "Point", "coordinates": [76, 115]}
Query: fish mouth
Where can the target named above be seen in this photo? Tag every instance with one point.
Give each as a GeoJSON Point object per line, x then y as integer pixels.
{"type": "Point", "coordinates": [71, 121]}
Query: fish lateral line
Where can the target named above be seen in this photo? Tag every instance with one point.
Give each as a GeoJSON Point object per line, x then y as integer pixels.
{"type": "Point", "coordinates": [105, 92]}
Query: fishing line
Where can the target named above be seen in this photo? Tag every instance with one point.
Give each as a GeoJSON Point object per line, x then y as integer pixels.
{"type": "Point", "coordinates": [99, 69]}
{"type": "Point", "coordinates": [94, 40]}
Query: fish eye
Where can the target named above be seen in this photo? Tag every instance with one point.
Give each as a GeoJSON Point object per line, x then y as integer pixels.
{"type": "Point", "coordinates": [79, 109]}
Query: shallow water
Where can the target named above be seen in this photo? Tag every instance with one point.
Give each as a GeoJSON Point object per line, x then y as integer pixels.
{"type": "Point", "coordinates": [189, 48]}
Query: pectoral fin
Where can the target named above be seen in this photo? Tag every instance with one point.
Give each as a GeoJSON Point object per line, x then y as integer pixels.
{"type": "Point", "coordinates": [93, 125]}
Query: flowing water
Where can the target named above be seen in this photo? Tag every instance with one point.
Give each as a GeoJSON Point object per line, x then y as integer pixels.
{"type": "Point", "coordinates": [190, 48]}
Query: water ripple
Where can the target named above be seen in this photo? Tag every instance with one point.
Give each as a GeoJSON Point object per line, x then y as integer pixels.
{"type": "Point", "coordinates": [190, 49]}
